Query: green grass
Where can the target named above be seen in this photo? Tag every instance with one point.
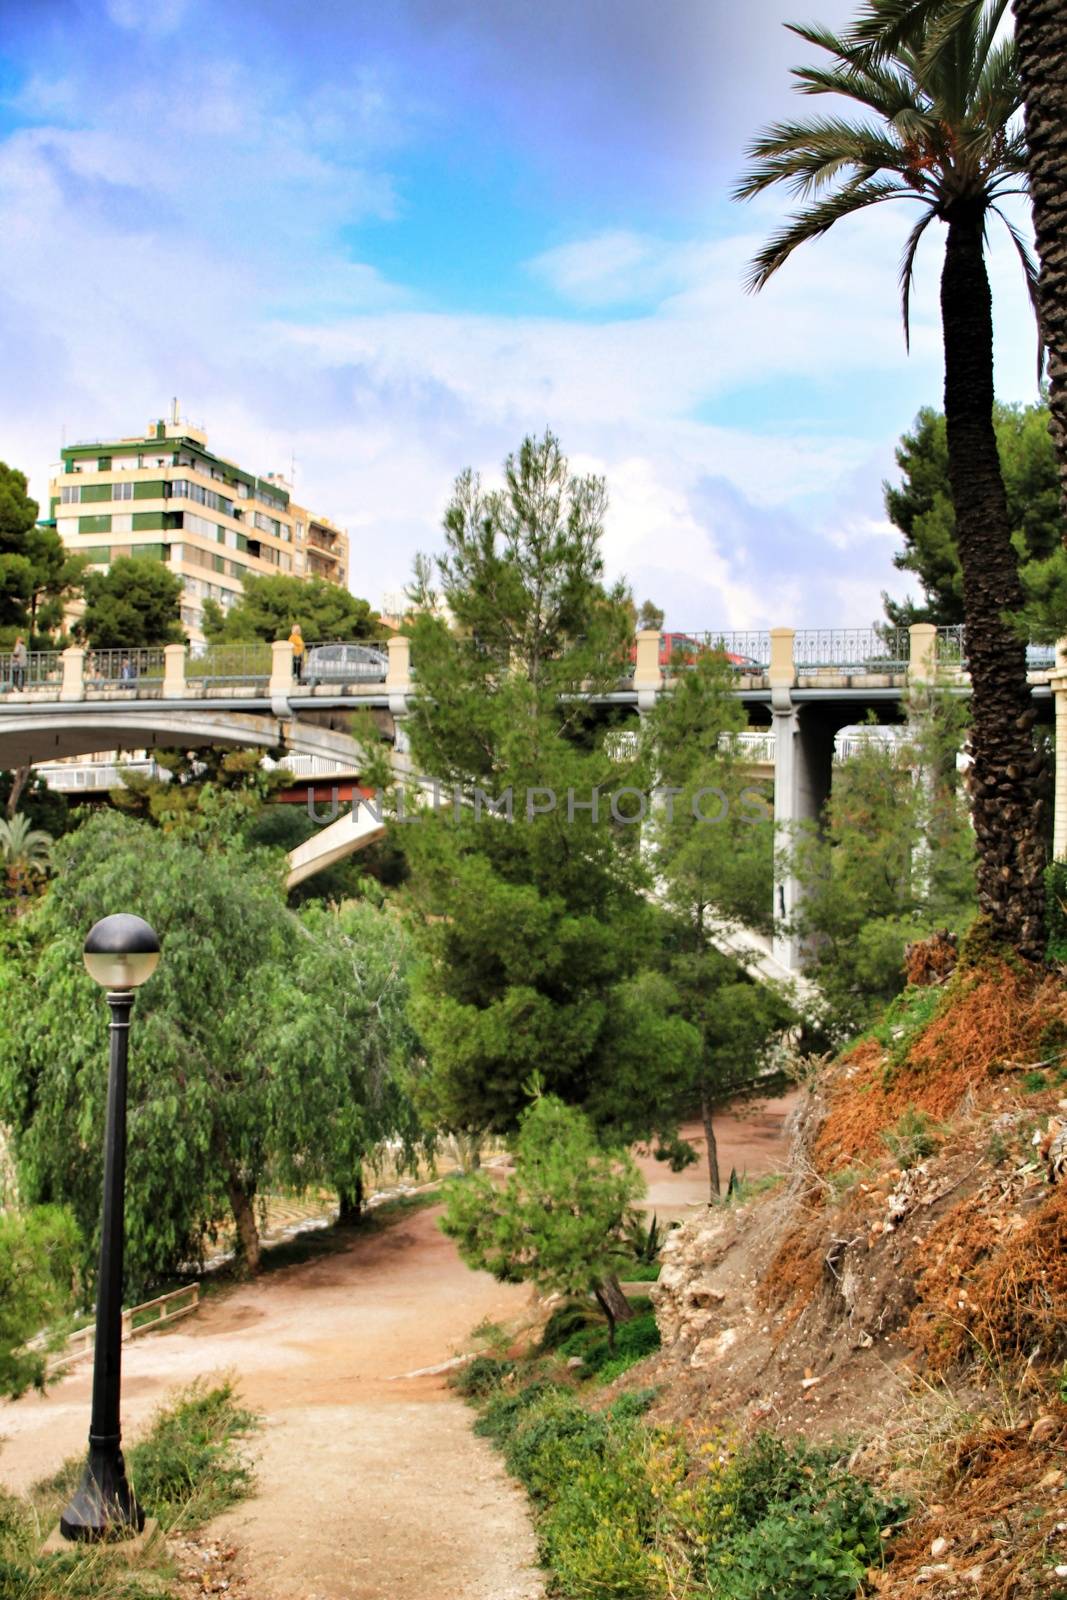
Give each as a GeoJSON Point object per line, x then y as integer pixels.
{"type": "Point", "coordinates": [904, 1019]}
{"type": "Point", "coordinates": [188, 1468]}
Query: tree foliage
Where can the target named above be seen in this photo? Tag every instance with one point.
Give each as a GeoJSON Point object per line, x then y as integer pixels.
{"type": "Point", "coordinates": [271, 604]}
{"type": "Point", "coordinates": [564, 1219]}
{"type": "Point", "coordinates": [134, 604]}
{"type": "Point", "coordinates": [257, 1048]}
{"type": "Point", "coordinates": [537, 937]}
{"type": "Point", "coordinates": [713, 860]}
{"type": "Point", "coordinates": [39, 1250]}
{"type": "Point", "coordinates": [892, 862]}
{"type": "Point", "coordinates": [921, 507]}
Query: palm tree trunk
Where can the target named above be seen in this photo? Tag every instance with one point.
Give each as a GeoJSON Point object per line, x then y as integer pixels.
{"type": "Point", "coordinates": [1005, 799]}
{"type": "Point", "coordinates": [1041, 36]}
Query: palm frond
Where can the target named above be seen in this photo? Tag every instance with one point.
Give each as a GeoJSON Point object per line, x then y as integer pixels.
{"type": "Point", "coordinates": [907, 271]}
{"type": "Point", "coordinates": [806, 156]}
{"type": "Point", "coordinates": [816, 220]}
{"type": "Point", "coordinates": [1030, 274]}
{"type": "Point", "coordinates": [998, 94]}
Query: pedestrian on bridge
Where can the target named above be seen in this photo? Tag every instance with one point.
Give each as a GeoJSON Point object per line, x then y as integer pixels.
{"type": "Point", "coordinates": [19, 659]}
{"type": "Point", "coordinates": [296, 639]}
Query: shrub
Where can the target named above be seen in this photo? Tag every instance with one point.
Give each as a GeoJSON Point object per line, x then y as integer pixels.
{"type": "Point", "coordinates": [912, 1137]}
{"type": "Point", "coordinates": [189, 1467]}
{"type": "Point", "coordinates": [633, 1341]}
{"type": "Point", "coordinates": [574, 1317]}
{"type": "Point", "coordinates": [481, 1376]}
{"type": "Point", "coordinates": [1056, 909]}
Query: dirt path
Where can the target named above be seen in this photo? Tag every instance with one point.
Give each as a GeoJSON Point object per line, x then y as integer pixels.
{"type": "Point", "coordinates": [371, 1485]}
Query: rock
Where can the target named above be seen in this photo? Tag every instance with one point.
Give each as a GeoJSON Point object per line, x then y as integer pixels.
{"type": "Point", "coordinates": [575, 1361]}
{"type": "Point", "coordinates": [704, 1294]}
{"type": "Point", "coordinates": [1051, 1480]}
{"type": "Point", "coordinates": [938, 1547]}
{"type": "Point", "coordinates": [1043, 1429]}
{"type": "Point", "coordinates": [928, 1574]}
{"type": "Point", "coordinates": [708, 1351]}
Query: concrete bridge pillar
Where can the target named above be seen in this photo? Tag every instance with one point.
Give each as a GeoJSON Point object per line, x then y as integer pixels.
{"type": "Point", "coordinates": [1058, 683]}
{"type": "Point", "coordinates": [398, 673]}
{"type": "Point", "coordinates": [174, 672]}
{"type": "Point", "coordinates": [922, 653]}
{"type": "Point", "coordinates": [648, 679]}
{"type": "Point", "coordinates": [73, 685]}
{"type": "Point", "coordinates": [281, 669]}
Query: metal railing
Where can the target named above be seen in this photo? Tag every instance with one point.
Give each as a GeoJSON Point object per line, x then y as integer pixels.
{"type": "Point", "coordinates": [42, 669]}
{"type": "Point", "coordinates": [78, 777]}
{"type": "Point", "coordinates": [951, 649]}
{"type": "Point", "coordinates": [230, 663]}
{"type": "Point", "coordinates": [122, 669]}
{"type": "Point", "coordinates": [846, 650]}
{"type": "Point", "coordinates": [753, 744]}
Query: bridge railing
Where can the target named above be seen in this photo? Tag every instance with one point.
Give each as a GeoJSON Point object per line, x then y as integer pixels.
{"type": "Point", "coordinates": [952, 650]}
{"type": "Point", "coordinates": [43, 669]}
{"type": "Point", "coordinates": [230, 663]}
{"type": "Point", "coordinates": [122, 669]}
{"type": "Point", "coordinates": [849, 650]}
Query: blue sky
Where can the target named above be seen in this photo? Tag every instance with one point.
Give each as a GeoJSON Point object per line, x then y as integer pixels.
{"type": "Point", "coordinates": [389, 240]}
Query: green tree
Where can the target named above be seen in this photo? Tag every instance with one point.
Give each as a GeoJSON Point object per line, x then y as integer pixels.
{"type": "Point", "coordinates": [215, 790]}
{"type": "Point", "coordinates": [713, 861]}
{"type": "Point", "coordinates": [892, 862]}
{"type": "Point", "coordinates": [271, 604]}
{"type": "Point", "coordinates": [56, 577]}
{"type": "Point", "coordinates": [921, 507]}
{"type": "Point", "coordinates": [535, 930]}
{"type": "Point", "coordinates": [564, 1220]}
{"type": "Point", "coordinates": [25, 853]}
{"type": "Point", "coordinates": [18, 518]}
{"type": "Point", "coordinates": [135, 603]}
{"type": "Point", "coordinates": [225, 1092]}
{"type": "Point", "coordinates": [39, 1249]}
{"type": "Point", "coordinates": [946, 135]}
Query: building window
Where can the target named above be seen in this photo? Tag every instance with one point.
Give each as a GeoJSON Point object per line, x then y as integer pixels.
{"type": "Point", "coordinates": [70, 493]}
{"type": "Point", "coordinates": [122, 522]}
{"type": "Point", "coordinates": [122, 491]}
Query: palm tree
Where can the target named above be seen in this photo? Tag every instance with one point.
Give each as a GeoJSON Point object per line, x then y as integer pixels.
{"type": "Point", "coordinates": [945, 136]}
{"type": "Point", "coordinates": [25, 852]}
{"type": "Point", "coordinates": [1041, 42]}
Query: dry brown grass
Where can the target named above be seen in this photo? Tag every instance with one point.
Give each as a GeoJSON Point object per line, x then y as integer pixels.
{"type": "Point", "coordinates": [991, 1019]}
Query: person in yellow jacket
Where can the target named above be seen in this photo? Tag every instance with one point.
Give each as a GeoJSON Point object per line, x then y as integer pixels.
{"type": "Point", "coordinates": [296, 639]}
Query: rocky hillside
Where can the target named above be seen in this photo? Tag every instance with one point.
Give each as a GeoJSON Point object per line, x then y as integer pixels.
{"type": "Point", "coordinates": [906, 1284]}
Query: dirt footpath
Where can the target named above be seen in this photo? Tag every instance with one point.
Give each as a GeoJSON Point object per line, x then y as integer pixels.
{"type": "Point", "coordinates": [371, 1485]}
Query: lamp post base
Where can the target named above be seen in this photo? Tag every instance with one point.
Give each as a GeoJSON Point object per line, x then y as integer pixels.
{"type": "Point", "coordinates": [104, 1506]}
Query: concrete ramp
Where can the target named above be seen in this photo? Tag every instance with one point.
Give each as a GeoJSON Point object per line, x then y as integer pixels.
{"type": "Point", "coordinates": [355, 830]}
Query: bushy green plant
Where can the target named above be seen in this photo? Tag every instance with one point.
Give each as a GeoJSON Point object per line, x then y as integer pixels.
{"type": "Point", "coordinates": [38, 1253]}
{"type": "Point", "coordinates": [633, 1342]}
{"type": "Point", "coordinates": [1056, 909]}
{"type": "Point", "coordinates": [189, 1466]}
{"type": "Point", "coordinates": [481, 1376]}
{"type": "Point", "coordinates": [912, 1138]}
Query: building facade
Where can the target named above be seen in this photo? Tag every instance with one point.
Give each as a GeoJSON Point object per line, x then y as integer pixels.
{"type": "Point", "coordinates": [165, 496]}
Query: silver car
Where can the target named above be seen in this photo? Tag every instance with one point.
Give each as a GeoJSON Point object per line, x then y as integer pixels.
{"type": "Point", "coordinates": [345, 663]}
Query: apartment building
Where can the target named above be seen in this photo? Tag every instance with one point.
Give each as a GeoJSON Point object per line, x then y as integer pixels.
{"type": "Point", "coordinates": [166, 496]}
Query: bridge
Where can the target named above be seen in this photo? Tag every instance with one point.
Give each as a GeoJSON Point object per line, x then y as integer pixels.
{"type": "Point", "coordinates": [800, 687]}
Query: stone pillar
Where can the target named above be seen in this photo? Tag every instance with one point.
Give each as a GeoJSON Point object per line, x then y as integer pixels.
{"type": "Point", "coordinates": [922, 653]}
{"type": "Point", "coordinates": [281, 669]}
{"type": "Point", "coordinates": [648, 679]}
{"type": "Point", "coordinates": [783, 673]}
{"type": "Point", "coordinates": [398, 673]}
{"type": "Point", "coordinates": [1058, 684]}
{"type": "Point", "coordinates": [174, 672]}
{"type": "Point", "coordinates": [73, 685]}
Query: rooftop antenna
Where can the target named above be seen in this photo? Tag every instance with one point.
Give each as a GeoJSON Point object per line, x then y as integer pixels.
{"type": "Point", "coordinates": [292, 467]}
{"type": "Point", "coordinates": [174, 414]}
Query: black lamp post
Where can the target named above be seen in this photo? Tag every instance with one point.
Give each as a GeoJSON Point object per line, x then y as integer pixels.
{"type": "Point", "coordinates": [120, 953]}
